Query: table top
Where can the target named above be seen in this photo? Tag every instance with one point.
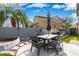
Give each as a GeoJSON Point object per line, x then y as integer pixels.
{"type": "Point", "coordinates": [47, 36]}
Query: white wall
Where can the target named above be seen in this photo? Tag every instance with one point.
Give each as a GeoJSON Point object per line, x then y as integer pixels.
{"type": "Point", "coordinates": [7, 23]}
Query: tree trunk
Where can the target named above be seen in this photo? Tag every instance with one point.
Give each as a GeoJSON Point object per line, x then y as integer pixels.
{"type": "Point", "coordinates": [13, 21]}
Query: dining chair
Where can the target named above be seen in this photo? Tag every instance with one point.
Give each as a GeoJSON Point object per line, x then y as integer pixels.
{"type": "Point", "coordinates": [56, 43]}
{"type": "Point", "coordinates": [37, 43]}
{"type": "Point", "coordinates": [59, 39]}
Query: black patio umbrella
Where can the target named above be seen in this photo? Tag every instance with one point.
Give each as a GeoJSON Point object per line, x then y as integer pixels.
{"type": "Point", "coordinates": [48, 22]}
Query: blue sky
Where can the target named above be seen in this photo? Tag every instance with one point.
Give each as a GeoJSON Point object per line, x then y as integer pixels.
{"type": "Point", "coordinates": [56, 9]}
{"type": "Point", "coordinates": [41, 9]}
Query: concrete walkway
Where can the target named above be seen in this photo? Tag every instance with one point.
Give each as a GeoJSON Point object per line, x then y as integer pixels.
{"type": "Point", "coordinates": [68, 50]}
{"type": "Point", "coordinates": [75, 42]}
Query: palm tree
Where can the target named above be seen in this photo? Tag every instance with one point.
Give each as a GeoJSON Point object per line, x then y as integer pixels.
{"type": "Point", "coordinates": [13, 19]}
{"type": "Point", "coordinates": [1, 17]}
{"type": "Point", "coordinates": [1, 14]}
{"type": "Point", "coordinates": [21, 17]}
{"type": "Point", "coordinates": [18, 16]}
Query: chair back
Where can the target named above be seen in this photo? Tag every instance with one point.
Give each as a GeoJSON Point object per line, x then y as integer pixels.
{"type": "Point", "coordinates": [44, 31]}
{"type": "Point", "coordinates": [35, 39]}
{"type": "Point", "coordinates": [60, 37]}
{"type": "Point", "coordinates": [36, 42]}
{"type": "Point", "coordinates": [2, 48]}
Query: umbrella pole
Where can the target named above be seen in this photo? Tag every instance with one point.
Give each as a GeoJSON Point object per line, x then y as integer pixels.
{"type": "Point", "coordinates": [48, 33]}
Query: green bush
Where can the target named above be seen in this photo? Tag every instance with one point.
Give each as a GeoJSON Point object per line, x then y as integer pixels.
{"type": "Point", "coordinates": [6, 54]}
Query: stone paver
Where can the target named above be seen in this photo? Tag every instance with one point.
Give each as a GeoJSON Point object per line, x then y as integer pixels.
{"type": "Point", "coordinates": [68, 50]}
{"type": "Point", "coordinates": [18, 46]}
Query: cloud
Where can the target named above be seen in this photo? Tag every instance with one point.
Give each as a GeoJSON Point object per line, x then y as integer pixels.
{"type": "Point", "coordinates": [73, 15]}
{"type": "Point", "coordinates": [22, 4]}
{"type": "Point", "coordinates": [58, 6]}
{"type": "Point", "coordinates": [10, 4]}
{"type": "Point", "coordinates": [15, 5]}
{"type": "Point", "coordinates": [37, 10]}
{"type": "Point", "coordinates": [70, 6]}
{"type": "Point", "coordinates": [74, 18]}
{"type": "Point", "coordinates": [39, 5]}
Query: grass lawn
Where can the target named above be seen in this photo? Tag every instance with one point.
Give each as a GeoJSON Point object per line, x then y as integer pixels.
{"type": "Point", "coordinates": [6, 54]}
{"type": "Point", "coordinates": [68, 38]}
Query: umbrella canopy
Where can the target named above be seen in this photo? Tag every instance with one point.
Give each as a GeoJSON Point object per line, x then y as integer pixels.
{"type": "Point", "coordinates": [48, 21]}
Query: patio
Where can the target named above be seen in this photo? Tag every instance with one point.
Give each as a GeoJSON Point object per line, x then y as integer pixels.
{"type": "Point", "coordinates": [19, 31]}
{"type": "Point", "coordinates": [68, 50]}
{"type": "Point", "coordinates": [24, 46]}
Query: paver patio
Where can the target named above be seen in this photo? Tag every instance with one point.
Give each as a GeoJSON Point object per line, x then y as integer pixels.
{"type": "Point", "coordinates": [68, 50]}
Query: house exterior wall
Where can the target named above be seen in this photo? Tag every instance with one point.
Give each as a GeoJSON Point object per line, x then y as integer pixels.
{"type": "Point", "coordinates": [42, 23]}
{"type": "Point", "coordinates": [29, 23]}
{"type": "Point", "coordinates": [56, 24]}
{"type": "Point", "coordinates": [77, 6]}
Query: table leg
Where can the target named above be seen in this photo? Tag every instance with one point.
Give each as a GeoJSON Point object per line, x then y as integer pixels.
{"type": "Point", "coordinates": [47, 45]}
{"type": "Point", "coordinates": [44, 43]}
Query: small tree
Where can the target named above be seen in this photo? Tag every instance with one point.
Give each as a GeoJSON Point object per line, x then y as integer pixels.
{"type": "Point", "coordinates": [67, 21]}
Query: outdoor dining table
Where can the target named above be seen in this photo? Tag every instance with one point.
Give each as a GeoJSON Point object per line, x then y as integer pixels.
{"type": "Point", "coordinates": [47, 37]}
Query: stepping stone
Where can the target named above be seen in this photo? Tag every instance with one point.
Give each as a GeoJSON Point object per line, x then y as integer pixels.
{"type": "Point", "coordinates": [26, 42]}
{"type": "Point", "coordinates": [16, 47]}
{"type": "Point", "coordinates": [21, 44]}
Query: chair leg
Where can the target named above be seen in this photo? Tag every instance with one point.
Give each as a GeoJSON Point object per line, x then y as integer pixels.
{"type": "Point", "coordinates": [31, 48]}
{"type": "Point", "coordinates": [38, 52]}
{"type": "Point", "coordinates": [56, 50]}
{"type": "Point", "coordinates": [47, 47]}
{"type": "Point", "coordinates": [44, 48]}
{"type": "Point", "coordinates": [61, 46]}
